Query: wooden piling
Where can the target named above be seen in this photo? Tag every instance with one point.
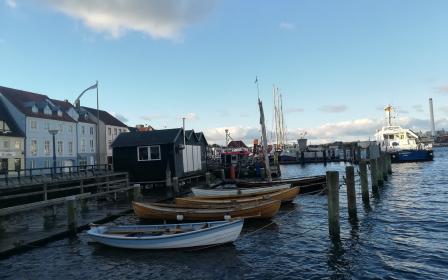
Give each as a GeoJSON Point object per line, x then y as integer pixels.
{"type": "Point", "coordinates": [175, 185]}
{"type": "Point", "coordinates": [379, 171]}
{"type": "Point", "coordinates": [364, 182]}
{"type": "Point", "coordinates": [351, 192]}
{"type": "Point", "coordinates": [72, 221]}
{"type": "Point", "coordinates": [374, 175]}
{"type": "Point", "coordinates": [45, 191]}
{"type": "Point", "coordinates": [207, 178]}
{"type": "Point", "coordinates": [333, 203]}
{"type": "Point", "coordinates": [223, 174]}
{"type": "Point", "coordinates": [262, 173]}
{"type": "Point", "coordinates": [389, 163]}
{"type": "Point", "coordinates": [137, 194]}
{"type": "Point", "coordinates": [384, 165]}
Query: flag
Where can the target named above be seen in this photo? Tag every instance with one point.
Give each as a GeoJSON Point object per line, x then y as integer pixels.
{"type": "Point", "coordinates": [92, 87]}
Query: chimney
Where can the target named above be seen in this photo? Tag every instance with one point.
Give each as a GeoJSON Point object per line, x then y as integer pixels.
{"type": "Point", "coordinates": [431, 113]}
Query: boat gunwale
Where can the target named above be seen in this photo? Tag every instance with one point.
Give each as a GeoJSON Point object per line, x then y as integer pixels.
{"type": "Point", "coordinates": [233, 221]}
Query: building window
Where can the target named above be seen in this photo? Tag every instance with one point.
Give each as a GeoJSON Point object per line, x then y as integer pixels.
{"type": "Point", "coordinates": [32, 164]}
{"type": "Point", "coordinates": [33, 149]}
{"type": "Point", "coordinates": [109, 144]}
{"type": "Point", "coordinates": [34, 109]}
{"type": "Point", "coordinates": [4, 127]}
{"type": "Point", "coordinates": [33, 124]}
{"type": "Point", "coordinates": [115, 131]}
{"type": "Point", "coordinates": [47, 110]}
{"type": "Point", "coordinates": [70, 147]}
{"type": "Point", "coordinates": [91, 130]}
{"type": "Point", "coordinates": [147, 153]}
{"type": "Point", "coordinates": [17, 145]}
{"type": "Point", "coordinates": [91, 145]}
{"type": "Point", "coordinates": [47, 147]}
{"type": "Point", "coordinates": [109, 131]}
{"type": "Point", "coordinates": [83, 130]}
{"type": "Point", "coordinates": [6, 144]}
{"type": "Point", "coordinates": [17, 164]}
{"type": "Point", "coordinates": [47, 163]}
{"type": "Point", "coordinates": [70, 129]}
{"type": "Point", "coordinates": [83, 145]}
{"type": "Point", "coordinates": [60, 147]}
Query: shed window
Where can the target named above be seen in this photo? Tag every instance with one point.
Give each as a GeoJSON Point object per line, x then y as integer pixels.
{"type": "Point", "coordinates": [147, 153]}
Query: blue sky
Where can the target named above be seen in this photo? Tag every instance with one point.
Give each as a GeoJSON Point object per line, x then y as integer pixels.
{"type": "Point", "coordinates": [337, 63]}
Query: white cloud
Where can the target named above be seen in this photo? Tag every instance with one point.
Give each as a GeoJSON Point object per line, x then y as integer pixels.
{"type": "Point", "coordinates": [120, 117]}
{"type": "Point", "coordinates": [191, 116]}
{"type": "Point", "coordinates": [444, 109]}
{"type": "Point", "coordinates": [160, 19]}
{"type": "Point", "coordinates": [11, 3]}
{"type": "Point", "coordinates": [333, 108]}
{"type": "Point", "coordinates": [218, 134]}
{"type": "Point", "coordinates": [287, 25]}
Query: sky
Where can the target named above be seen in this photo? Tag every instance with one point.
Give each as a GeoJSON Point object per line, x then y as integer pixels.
{"type": "Point", "coordinates": [337, 64]}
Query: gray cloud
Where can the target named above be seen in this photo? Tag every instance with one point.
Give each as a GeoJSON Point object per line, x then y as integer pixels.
{"type": "Point", "coordinates": [442, 89]}
{"type": "Point", "coordinates": [153, 117]}
{"type": "Point", "coordinates": [333, 108]}
{"type": "Point", "coordinates": [444, 109]}
{"type": "Point", "coordinates": [287, 25]}
{"type": "Point", "coordinates": [294, 110]}
{"type": "Point", "coordinates": [156, 18]}
{"type": "Point", "coordinates": [120, 117]}
{"type": "Point", "coordinates": [418, 108]}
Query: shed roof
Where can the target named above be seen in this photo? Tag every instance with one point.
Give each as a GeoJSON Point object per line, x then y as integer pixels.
{"type": "Point", "coordinates": [141, 138]}
{"type": "Point", "coordinates": [5, 116]}
{"type": "Point", "coordinates": [236, 144]}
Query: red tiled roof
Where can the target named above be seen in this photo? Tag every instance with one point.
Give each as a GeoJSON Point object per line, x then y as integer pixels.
{"type": "Point", "coordinates": [21, 100]}
{"type": "Point", "coordinates": [65, 105]}
{"type": "Point", "coordinates": [236, 144]}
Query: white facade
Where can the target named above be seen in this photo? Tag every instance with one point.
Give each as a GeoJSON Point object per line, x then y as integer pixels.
{"type": "Point", "coordinates": [111, 133]}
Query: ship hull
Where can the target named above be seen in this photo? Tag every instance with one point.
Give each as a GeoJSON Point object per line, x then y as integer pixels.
{"type": "Point", "coordinates": [412, 156]}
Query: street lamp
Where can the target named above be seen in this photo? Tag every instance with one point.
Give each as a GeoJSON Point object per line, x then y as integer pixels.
{"type": "Point", "coordinates": [54, 132]}
{"type": "Point", "coordinates": [95, 86]}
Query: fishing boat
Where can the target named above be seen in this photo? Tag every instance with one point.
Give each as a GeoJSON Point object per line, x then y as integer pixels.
{"type": "Point", "coordinates": [168, 236]}
{"type": "Point", "coordinates": [201, 191]}
{"type": "Point", "coordinates": [402, 144]}
{"type": "Point", "coordinates": [284, 196]}
{"type": "Point", "coordinates": [159, 211]}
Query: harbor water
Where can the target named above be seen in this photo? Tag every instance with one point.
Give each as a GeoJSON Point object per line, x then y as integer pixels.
{"type": "Point", "coordinates": [403, 235]}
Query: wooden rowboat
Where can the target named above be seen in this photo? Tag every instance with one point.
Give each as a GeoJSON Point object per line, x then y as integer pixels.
{"type": "Point", "coordinates": [302, 181]}
{"type": "Point", "coordinates": [216, 192]}
{"type": "Point", "coordinates": [168, 236]}
{"type": "Point", "coordinates": [287, 195]}
{"type": "Point", "coordinates": [308, 185]}
{"type": "Point", "coordinates": [264, 210]}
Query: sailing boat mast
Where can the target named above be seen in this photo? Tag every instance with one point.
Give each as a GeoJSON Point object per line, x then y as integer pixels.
{"type": "Point", "coordinates": [263, 134]}
{"type": "Point", "coordinates": [265, 142]}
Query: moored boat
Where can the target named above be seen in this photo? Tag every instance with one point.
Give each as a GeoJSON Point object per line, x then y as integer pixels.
{"type": "Point", "coordinates": [302, 181]}
{"type": "Point", "coordinates": [238, 191]}
{"type": "Point", "coordinates": [159, 211]}
{"type": "Point", "coordinates": [287, 195]}
{"type": "Point", "coordinates": [168, 236]}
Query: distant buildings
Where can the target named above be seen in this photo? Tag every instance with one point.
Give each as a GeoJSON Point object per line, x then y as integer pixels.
{"type": "Point", "coordinates": [11, 143]}
{"type": "Point", "coordinates": [34, 116]}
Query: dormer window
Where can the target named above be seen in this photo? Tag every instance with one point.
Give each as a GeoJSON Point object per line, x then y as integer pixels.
{"type": "Point", "coordinates": [47, 110]}
{"type": "Point", "coordinates": [59, 113]}
{"type": "Point", "coordinates": [34, 109]}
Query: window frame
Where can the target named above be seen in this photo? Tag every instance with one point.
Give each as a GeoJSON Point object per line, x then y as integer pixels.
{"type": "Point", "coordinates": [149, 153]}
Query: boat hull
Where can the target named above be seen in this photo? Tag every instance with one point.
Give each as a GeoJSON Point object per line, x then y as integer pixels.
{"type": "Point", "coordinates": [412, 156]}
{"type": "Point", "coordinates": [239, 191]}
{"type": "Point", "coordinates": [215, 233]}
{"type": "Point", "coordinates": [284, 196]}
{"type": "Point", "coordinates": [265, 210]}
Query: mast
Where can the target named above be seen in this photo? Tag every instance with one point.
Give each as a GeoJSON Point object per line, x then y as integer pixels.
{"type": "Point", "coordinates": [265, 141]}
{"type": "Point", "coordinates": [388, 109]}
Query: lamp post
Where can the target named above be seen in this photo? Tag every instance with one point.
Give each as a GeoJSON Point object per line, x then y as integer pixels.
{"type": "Point", "coordinates": [95, 86]}
{"type": "Point", "coordinates": [53, 132]}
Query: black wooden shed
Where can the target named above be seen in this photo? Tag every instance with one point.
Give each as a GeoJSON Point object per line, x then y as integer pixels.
{"type": "Point", "coordinates": [149, 155]}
